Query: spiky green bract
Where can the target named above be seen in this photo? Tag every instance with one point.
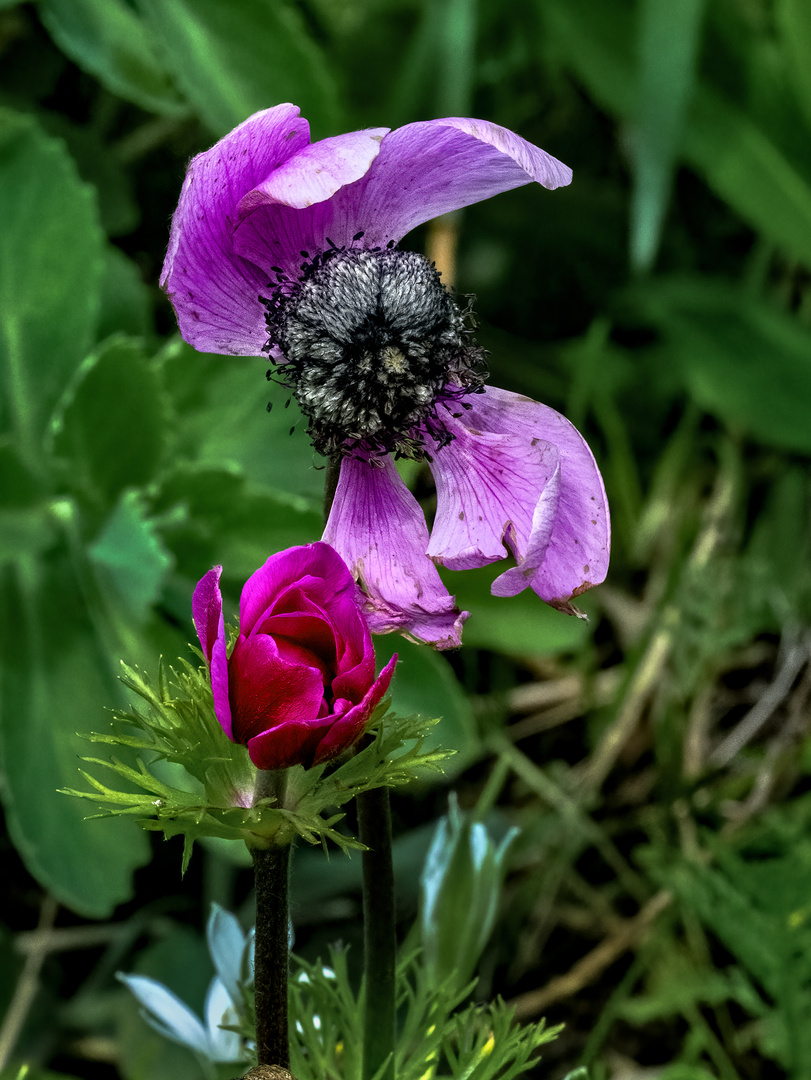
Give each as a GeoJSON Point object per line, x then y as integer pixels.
{"type": "Point", "coordinates": [178, 727]}
{"type": "Point", "coordinates": [480, 1042]}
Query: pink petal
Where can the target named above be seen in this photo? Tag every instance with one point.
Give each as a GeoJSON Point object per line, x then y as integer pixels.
{"type": "Point", "coordinates": [208, 621]}
{"type": "Point", "coordinates": [214, 291]}
{"type": "Point", "coordinates": [487, 489]}
{"type": "Point", "coordinates": [315, 569]}
{"type": "Point", "coordinates": [267, 690]}
{"type": "Point", "coordinates": [377, 527]}
{"type": "Point", "coordinates": [347, 729]}
{"type": "Point", "coordinates": [292, 743]}
{"type": "Point", "coordinates": [574, 557]}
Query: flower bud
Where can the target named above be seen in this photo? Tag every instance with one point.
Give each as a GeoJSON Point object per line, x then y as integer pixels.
{"type": "Point", "coordinates": [460, 884]}
{"type": "Point", "coordinates": [299, 686]}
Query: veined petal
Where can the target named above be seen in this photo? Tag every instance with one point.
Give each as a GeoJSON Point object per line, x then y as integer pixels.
{"type": "Point", "coordinates": [213, 290]}
{"type": "Point", "coordinates": [316, 172]}
{"type": "Point", "coordinates": [208, 621]}
{"type": "Point", "coordinates": [575, 555]}
{"type": "Point", "coordinates": [377, 527]}
{"type": "Point", "coordinates": [434, 166]}
{"type": "Point", "coordinates": [422, 170]}
{"type": "Point", "coordinates": [487, 488]}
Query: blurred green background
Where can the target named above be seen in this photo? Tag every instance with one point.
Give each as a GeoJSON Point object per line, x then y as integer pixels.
{"type": "Point", "coordinates": [657, 759]}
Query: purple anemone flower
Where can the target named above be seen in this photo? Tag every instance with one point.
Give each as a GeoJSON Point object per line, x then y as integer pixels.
{"type": "Point", "coordinates": [286, 247]}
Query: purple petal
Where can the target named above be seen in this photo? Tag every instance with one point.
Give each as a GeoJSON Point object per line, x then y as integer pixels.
{"type": "Point", "coordinates": [422, 170]}
{"type": "Point", "coordinates": [377, 527]}
{"type": "Point", "coordinates": [435, 166]}
{"type": "Point", "coordinates": [207, 614]}
{"type": "Point", "coordinates": [293, 210]}
{"type": "Point", "coordinates": [214, 291]}
{"type": "Point", "coordinates": [487, 489]}
{"type": "Point", "coordinates": [347, 729]}
{"type": "Point", "coordinates": [206, 608]}
{"type": "Point", "coordinates": [316, 172]}
{"type": "Point", "coordinates": [575, 556]}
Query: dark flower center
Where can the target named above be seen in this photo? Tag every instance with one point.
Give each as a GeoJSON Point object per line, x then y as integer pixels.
{"type": "Point", "coordinates": [372, 342]}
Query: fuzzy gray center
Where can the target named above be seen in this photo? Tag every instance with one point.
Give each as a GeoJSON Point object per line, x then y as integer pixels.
{"type": "Point", "coordinates": [372, 342]}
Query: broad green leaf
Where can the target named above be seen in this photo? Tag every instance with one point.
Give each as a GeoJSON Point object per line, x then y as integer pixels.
{"type": "Point", "coordinates": [130, 559]}
{"type": "Point", "coordinates": [109, 432]}
{"type": "Point", "coordinates": [425, 685]}
{"type": "Point", "coordinates": [222, 420]}
{"type": "Point", "coordinates": [26, 523]}
{"type": "Point", "coordinates": [516, 624]}
{"type": "Point", "coordinates": [119, 212]}
{"type": "Point", "coordinates": [51, 254]}
{"type": "Point", "coordinates": [126, 306]}
{"type": "Point", "coordinates": [109, 40]}
{"type": "Point", "coordinates": [210, 515]}
{"type": "Point", "coordinates": [668, 42]}
{"type": "Point", "coordinates": [744, 361]}
{"type": "Point", "coordinates": [233, 59]}
{"type": "Point", "coordinates": [52, 685]}
{"type": "Point", "coordinates": [26, 530]}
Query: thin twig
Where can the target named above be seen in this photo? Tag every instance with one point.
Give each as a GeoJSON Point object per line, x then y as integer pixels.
{"type": "Point", "coordinates": [26, 989]}
{"type": "Point", "coordinates": [796, 655]}
{"type": "Point", "coordinates": [585, 971]}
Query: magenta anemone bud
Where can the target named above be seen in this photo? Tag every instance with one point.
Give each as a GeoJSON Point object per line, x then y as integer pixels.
{"type": "Point", "coordinates": [299, 686]}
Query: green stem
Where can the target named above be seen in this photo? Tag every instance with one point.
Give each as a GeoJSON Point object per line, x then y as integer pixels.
{"type": "Point", "coordinates": [271, 870]}
{"type": "Point", "coordinates": [379, 937]}
{"type": "Point", "coordinates": [379, 940]}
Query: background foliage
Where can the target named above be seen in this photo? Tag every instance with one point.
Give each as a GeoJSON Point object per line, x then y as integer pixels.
{"type": "Point", "coordinates": [656, 761]}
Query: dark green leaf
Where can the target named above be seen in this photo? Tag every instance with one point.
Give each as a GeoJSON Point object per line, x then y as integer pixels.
{"type": "Point", "coordinates": [793, 19]}
{"type": "Point", "coordinates": [735, 155]}
{"type": "Point", "coordinates": [212, 516]}
{"type": "Point", "coordinates": [51, 252]}
{"type": "Point", "coordinates": [234, 59]}
{"type": "Point", "coordinates": [107, 39]}
{"type": "Point", "coordinates": [744, 361]}
{"type": "Point", "coordinates": [669, 36]}
{"type": "Point", "coordinates": [118, 210]}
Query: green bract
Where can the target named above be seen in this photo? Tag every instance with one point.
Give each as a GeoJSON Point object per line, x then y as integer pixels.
{"type": "Point", "coordinates": [189, 779]}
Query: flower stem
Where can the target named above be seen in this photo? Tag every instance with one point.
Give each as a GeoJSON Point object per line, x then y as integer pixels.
{"type": "Point", "coordinates": [379, 941]}
{"type": "Point", "coordinates": [271, 870]}
{"type": "Point", "coordinates": [379, 937]}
